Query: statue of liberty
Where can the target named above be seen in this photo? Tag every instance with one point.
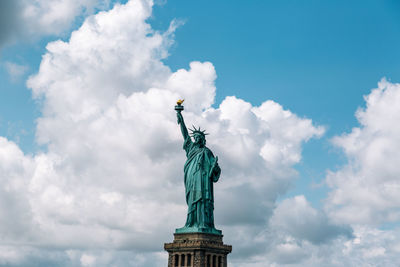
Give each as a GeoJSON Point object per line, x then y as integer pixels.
{"type": "Point", "coordinates": [201, 171]}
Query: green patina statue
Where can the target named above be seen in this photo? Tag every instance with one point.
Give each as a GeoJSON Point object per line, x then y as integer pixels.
{"type": "Point", "coordinates": [201, 171]}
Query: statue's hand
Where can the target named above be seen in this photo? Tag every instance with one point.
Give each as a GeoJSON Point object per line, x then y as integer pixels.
{"type": "Point", "coordinates": [215, 171]}
{"type": "Point", "coordinates": [215, 163]}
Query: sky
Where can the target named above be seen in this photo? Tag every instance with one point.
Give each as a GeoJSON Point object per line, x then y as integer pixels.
{"type": "Point", "coordinates": [301, 100]}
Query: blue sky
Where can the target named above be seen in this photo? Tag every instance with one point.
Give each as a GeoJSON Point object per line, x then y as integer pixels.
{"type": "Point", "coordinates": [317, 59]}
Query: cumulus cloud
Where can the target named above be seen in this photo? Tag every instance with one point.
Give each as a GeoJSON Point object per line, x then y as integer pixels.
{"type": "Point", "coordinates": [15, 213]}
{"type": "Point", "coordinates": [369, 184]}
{"type": "Point", "coordinates": [110, 179]}
{"type": "Point", "coordinates": [298, 235]}
{"type": "Point", "coordinates": [369, 247]}
{"type": "Point", "coordinates": [297, 218]}
{"type": "Point", "coordinates": [34, 18]}
{"type": "Point", "coordinates": [363, 195]}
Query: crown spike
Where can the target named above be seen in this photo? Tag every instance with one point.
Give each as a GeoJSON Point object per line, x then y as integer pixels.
{"type": "Point", "coordinates": [197, 131]}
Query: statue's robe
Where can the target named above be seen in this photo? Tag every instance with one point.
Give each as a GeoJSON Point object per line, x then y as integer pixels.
{"type": "Point", "coordinates": [201, 170]}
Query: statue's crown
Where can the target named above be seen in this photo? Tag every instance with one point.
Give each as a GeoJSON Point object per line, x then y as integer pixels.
{"type": "Point", "coordinates": [195, 131]}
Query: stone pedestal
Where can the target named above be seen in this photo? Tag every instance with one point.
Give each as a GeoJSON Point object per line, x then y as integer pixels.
{"type": "Point", "coordinates": [197, 250]}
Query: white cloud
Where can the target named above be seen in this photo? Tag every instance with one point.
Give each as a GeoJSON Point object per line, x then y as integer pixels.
{"type": "Point", "coordinates": [369, 247]}
{"type": "Point", "coordinates": [87, 260]}
{"type": "Point", "coordinates": [15, 71]}
{"type": "Point", "coordinates": [368, 185]}
{"type": "Point", "coordinates": [296, 217]}
{"type": "Point", "coordinates": [111, 177]}
{"type": "Point", "coordinates": [288, 252]}
{"type": "Point", "coordinates": [26, 19]}
{"type": "Point", "coordinates": [363, 195]}
{"type": "Point", "coordinates": [55, 16]}
{"type": "Point", "coordinates": [298, 235]}
{"type": "Point", "coordinates": [15, 213]}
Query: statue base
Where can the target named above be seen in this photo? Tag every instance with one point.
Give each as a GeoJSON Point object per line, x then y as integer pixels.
{"type": "Point", "coordinates": [197, 250]}
{"type": "Point", "coordinates": [186, 230]}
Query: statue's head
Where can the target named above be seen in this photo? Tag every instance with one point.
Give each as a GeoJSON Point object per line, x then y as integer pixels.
{"type": "Point", "coordinates": [199, 136]}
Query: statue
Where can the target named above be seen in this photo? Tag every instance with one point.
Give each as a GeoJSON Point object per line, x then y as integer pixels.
{"type": "Point", "coordinates": [201, 170]}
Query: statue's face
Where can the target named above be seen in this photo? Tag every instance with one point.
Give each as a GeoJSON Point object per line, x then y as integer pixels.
{"type": "Point", "coordinates": [199, 139]}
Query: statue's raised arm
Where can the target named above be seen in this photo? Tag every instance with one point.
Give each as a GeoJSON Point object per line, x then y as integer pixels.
{"type": "Point", "coordinates": [181, 122]}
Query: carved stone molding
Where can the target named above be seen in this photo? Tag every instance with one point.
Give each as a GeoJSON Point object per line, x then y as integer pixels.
{"type": "Point", "coordinates": [197, 250]}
